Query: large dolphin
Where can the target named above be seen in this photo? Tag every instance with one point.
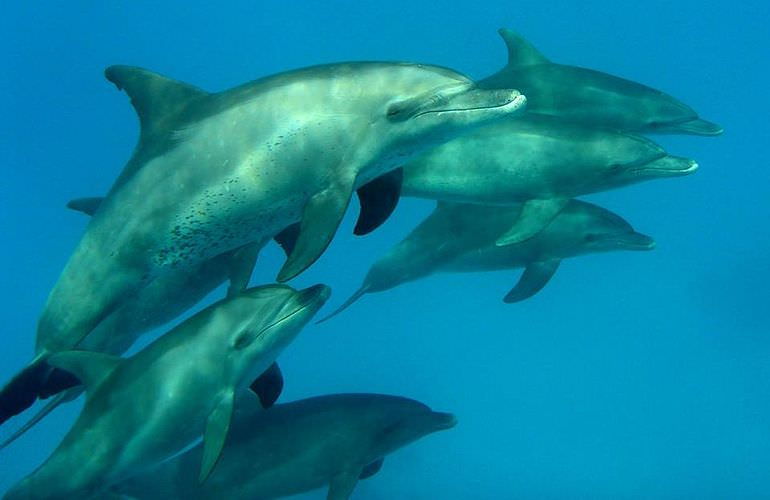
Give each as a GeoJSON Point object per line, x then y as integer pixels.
{"type": "Point", "coordinates": [538, 160]}
{"type": "Point", "coordinates": [461, 238]}
{"type": "Point", "coordinates": [216, 172]}
{"type": "Point", "coordinates": [592, 98]}
{"type": "Point", "coordinates": [143, 410]}
{"type": "Point", "coordinates": [332, 440]}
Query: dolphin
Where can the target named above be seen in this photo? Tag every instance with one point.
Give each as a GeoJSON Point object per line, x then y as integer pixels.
{"type": "Point", "coordinates": [592, 98]}
{"type": "Point", "coordinates": [213, 172]}
{"type": "Point", "coordinates": [143, 410]}
{"type": "Point", "coordinates": [538, 160]}
{"type": "Point", "coordinates": [332, 440]}
{"type": "Point", "coordinates": [461, 238]}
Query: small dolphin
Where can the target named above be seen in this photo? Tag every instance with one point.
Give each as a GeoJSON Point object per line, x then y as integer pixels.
{"type": "Point", "coordinates": [330, 440]}
{"type": "Point", "coordinates": [538, 160]}
{"type": "Point", "coordinates": [591, 98]}
{"type": "Point", "coordinates": [143, 410]}
{"type": "Point", "coordinates": [461, 238]}
{"type": "Point", "coordinates": [215, 172]}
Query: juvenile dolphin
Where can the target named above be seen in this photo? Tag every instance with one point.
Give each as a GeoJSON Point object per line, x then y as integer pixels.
{"type": "Point", "coordinates": [592, 98]}
{"type": "Point", "coordinates": [215, 172]}
{"type": "Point", "coordinates": [143, 410]}
{"type": "Point", "coordinates": [330, 440]}
{"type": "Point", "coordinates": [538, 160]}
{"type": "Point", "coordinates": [461, 238]}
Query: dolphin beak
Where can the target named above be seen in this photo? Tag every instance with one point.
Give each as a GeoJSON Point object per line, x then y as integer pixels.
{"type": "Point", "coordinates": [636, 241]}
{"type": "Point", "coordinates": [488, 101]}
{"type": "Point", "coordinates": [444, 420]}
{"type": "Point", "coordinates": [314, 296]}
{"type": "Point", "coordinates": [668, 166]}
{"type": "Point", "coordinates": [696, 127]}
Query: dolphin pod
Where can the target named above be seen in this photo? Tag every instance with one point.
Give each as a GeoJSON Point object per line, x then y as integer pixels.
{"type": "Point", "coordinates": [215, 176]}
{"type": "Point", "coordinates": [225, 172]}
{"type": "Point", "coordinates": [330, 440]}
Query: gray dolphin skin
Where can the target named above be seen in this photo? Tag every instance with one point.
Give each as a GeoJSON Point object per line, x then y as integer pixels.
{"type": "Point", "coordinates": [538, 160]}
{"type": "Point", "coordinates": [592, 98]}
{"type": "Point", "coordinates": [461, 238]}
{"type": "Point", "coordinates": [329, 440]}
{"type": "Point", "coordinates": [213, 172]}
{"type": "Point", "coordinates": [145, 409]}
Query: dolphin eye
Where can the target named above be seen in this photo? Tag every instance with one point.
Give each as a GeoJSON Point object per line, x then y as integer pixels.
{"type": "Point", "coordinates": [397, 112]}
{"type": "Point", "coordinates": [590, 237]}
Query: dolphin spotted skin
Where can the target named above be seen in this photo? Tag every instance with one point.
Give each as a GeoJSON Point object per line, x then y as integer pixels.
{"type": "Point", "coordinates": [161, 301]}
{"type": "Point", "coordinates": [461, 238]}
{"type": "Point", "coordinates": [538, 160]}
{"type": "Point", "coordinates": [143, 410]}
{"type": "Point", "coordinates": [215, 172]}
{"type": "Point", "coordinates": [592, 98]}
{"type": "Point", "coordinates": [329, 440]}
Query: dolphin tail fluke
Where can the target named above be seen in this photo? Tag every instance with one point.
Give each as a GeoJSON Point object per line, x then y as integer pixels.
{"type": "Point", "coordinates": [359, 293]}
{"type": "Point", "coordinates": [62, 397]}
{"type": "Point", "coordinates": [22, 390]}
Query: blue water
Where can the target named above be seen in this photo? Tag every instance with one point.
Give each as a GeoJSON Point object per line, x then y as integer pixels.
{"type": "Point", "coordinates": [631, 375]}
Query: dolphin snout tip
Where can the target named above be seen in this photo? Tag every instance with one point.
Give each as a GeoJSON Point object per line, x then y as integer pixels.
{"type": "Point", "coordinates": [445, 420]}
{"type": "Point", "coordinates": [319, 292]}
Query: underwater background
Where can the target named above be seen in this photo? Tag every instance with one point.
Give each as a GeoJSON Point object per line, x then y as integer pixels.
{"type": "Point", "coordinates": [631, 375]}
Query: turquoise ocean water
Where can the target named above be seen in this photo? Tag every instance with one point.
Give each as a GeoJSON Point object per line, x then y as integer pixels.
{"type": "Point", "coordinates": [631, 375]}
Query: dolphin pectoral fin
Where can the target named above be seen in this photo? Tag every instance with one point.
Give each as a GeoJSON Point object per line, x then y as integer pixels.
{"type": "Point", "coordinates": [91, 368]}
{"type": "Point", "coordinates": [535, 216]}
{"type": "Point", "coordinates": [268, 386]}
{"type": "Point", "coordinates": [287, 239]}
{"type": "Point", "coordinates": [157, 99]}
{"type": "Point", "coordinates": [242, 266]}
{"type": "Point", "coordinates": [533, 279]}
{"type": "Point", "coordinates": [378, 199]}
{"type": "Point", "coordinates": [371, 469]}
{"type": "Point", "coordinates": [88, 206]}
{"type": "Point", "coordinates": [520, 51]}
{"type": "Point", "coordinates": [217, 426]}
{"type": "Point", "coordinates": [342, 484]}
{"type": "Point", "coordinates": [320, 219]}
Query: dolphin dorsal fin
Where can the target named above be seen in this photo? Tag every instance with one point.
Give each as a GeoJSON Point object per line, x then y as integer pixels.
{"type": "Point", "coordinates": [520, 51]}
{"type": "Point", "coordinates": [91, 368]}
{"type": "Point", "coordinates": [158, 100]}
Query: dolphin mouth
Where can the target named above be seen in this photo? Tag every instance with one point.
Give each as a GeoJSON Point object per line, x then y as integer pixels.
{"type": "Point", "coordinates": [313, 297]}
{"type": "Point", "coordinates": [634, 241]}
{"type": "Point", "coordinates": [667, 166]}
{"type": "Point", "coordinates": [483, 101]}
